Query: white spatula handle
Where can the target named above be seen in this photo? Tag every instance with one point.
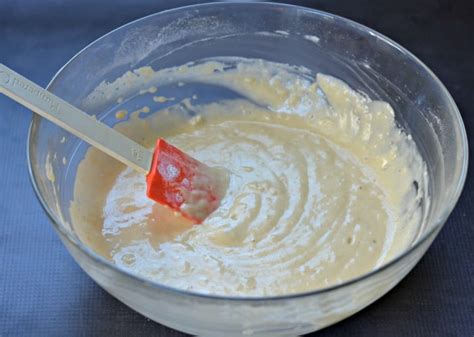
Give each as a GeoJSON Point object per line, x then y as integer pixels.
{"type": "Point", "coordinates": [74, 120]}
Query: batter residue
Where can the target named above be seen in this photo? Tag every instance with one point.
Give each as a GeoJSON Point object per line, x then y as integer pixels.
{"type": "Point", "coordinates": [323, 186]}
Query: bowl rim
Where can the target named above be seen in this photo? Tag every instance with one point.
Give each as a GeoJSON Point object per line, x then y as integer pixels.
{"type": "Point", "coordinates": [170, 289]}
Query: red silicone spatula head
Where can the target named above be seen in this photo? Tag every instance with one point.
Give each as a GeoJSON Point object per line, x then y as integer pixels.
{"type": "Point", "coordinates": [182, 183]}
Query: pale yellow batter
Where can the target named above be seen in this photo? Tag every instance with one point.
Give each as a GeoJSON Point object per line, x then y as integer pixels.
{"type": "Point", "coordinates": [321, 185]}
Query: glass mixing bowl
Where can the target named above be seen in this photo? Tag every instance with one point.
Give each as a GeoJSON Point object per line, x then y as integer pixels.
{"type": "Point", "coordinates": [321, 42]}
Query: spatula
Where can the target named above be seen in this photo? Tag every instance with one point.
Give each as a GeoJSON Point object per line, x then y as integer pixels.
{"type": "Point", "coordinates": [173, 178]}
